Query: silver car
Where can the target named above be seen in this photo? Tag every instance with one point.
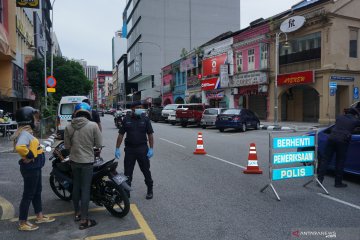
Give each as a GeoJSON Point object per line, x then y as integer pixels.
{"type": "Point", "coordinates": [209, 116]}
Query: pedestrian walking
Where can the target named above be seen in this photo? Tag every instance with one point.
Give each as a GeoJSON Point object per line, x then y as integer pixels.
{"type": "Point", "coordinates": [31, 162]}
{"type": "Point", "coordinates": [80, 138]}
{"type": "Point", "coordinates": [138, 131]}
{"type": "Point", "coordinates": [338, 144]}
{"type": "Point", "coordinates": [95, 117]}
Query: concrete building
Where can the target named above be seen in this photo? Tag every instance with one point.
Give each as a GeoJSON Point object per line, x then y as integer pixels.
{"type": "Point", "coordinates": [118, 47]}
{"type": "Point", "coordinates": [102, 88]}
{"type": "Point", "coordinates": [322, 52]}
{"type": "Point", "coordinates": [159, 31]}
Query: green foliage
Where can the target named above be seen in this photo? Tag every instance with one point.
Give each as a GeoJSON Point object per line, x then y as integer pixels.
{"type": "Point", "coordinates": [183, 53]}
{"type": "Point", "coordinates": [71, 80]}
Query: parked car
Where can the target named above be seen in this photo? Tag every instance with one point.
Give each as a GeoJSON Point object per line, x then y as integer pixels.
{"type": "Point", "coordinates": [209, 116]}
{"type": "Point", "coordinates": [237, 118]}
{"type": "Point", "coordinates": [155, 114]}
{"type": "Point", "coordinates": [352, 162]}
{"type": "Point", "coordinates": [168, 109]}
{"type": "Point", "coordinates": [190, 114]}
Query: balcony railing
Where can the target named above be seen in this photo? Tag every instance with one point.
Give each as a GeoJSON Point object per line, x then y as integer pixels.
{"type": "Point", "coordinates": [300, 56]}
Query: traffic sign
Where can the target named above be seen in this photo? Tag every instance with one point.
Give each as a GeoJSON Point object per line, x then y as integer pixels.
{"type": "Point", "coordinates": [293, 157]}
{"type": "Point", "coordinates": [51, 90]}
{"type": "Point", "coordinates": [356, 93]}
{"type": "Point", "coordinates": [332, 84]}
{"type": "Point", "coordinates": [293, 142]}
{"type": "Point", "coordinates": [51, 82]}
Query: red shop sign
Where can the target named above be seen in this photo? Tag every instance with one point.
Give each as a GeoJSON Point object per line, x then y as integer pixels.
{"type": "Point", "coordinates": [210, 84]}
{"type": "Point", "coordinates": [211, 66]}
{"type": "Point", "coordinates": [296, 78]}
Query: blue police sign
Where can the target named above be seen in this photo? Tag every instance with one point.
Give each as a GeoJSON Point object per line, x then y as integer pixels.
{"type": "Point", "coordinates": [295, 172]}
{"type": "Point", "coordinates": [293, 142]}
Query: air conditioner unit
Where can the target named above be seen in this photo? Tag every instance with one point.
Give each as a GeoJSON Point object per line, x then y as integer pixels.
{"type": "Point", "coordinates": [234, 91]}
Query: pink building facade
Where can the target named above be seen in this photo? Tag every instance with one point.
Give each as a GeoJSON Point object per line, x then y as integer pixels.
{"type": "Point", "coordinates": [250, 82]}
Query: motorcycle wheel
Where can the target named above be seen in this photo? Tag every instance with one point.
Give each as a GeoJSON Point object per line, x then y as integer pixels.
{"type": "Point", "coordinates": [121, 204]}
{"type": "Point", "coordinates": [59, 190]}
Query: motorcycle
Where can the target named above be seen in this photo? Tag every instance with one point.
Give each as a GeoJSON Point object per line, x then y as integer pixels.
{"type": "Point", "coordinates": [107, 188]}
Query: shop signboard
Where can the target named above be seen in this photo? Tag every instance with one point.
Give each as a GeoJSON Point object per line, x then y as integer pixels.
{"type": "Point", "coordinates": [188, 64]}
{"type": "Point", "coordinates": [224, 75]}
{"type": "Point", "coordinates": [248, 79]}
{"type": "Point", "coordinates": [210, 84]}
{"type": "Point", "coordinates": [292, 24]}
{"type": "Point", "coordinates": [306, 77]}
{"type": "Point", "coordinates": [211, 66]}
{"type": "Point", "coordinates": [193, 83]}
{"type": "Point", "coordinates": [214, 94]}
{"type": "Point", "coordinates": [27, 3]}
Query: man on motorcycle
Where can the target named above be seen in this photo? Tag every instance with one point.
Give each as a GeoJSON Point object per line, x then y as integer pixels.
{"type": "Point", "coordinates": [80, 137]}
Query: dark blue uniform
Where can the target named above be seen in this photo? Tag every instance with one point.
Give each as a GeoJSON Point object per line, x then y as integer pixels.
{"type": "Point", "coordinates": [136, 148]}
{"type": "Point", "coordinates": [338, 143]}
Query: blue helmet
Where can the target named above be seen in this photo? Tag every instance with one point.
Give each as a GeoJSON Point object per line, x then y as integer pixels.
{"type": "Point", "coordinates": [82, 108]}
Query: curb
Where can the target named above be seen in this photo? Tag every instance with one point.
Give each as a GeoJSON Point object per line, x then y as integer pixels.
{"type": "Point", "coordinates": [280, 128]}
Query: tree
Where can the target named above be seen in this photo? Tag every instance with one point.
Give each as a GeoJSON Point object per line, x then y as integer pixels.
{"type": "Point", "coordinates": [69, 74]}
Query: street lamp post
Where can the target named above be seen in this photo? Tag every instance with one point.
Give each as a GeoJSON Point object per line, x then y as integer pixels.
{"type": "Point", "coordinates": [52, 38]}
{"type": "Point", "coordinates": [161, 63]}
{"type": "Point", "coordinates": [278, 34]}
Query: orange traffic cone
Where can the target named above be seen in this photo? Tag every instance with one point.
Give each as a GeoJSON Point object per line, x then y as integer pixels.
{"type": "Point", "coordinates": [200, 145]}
{"type": "Point", "coordinates": [252, 167]}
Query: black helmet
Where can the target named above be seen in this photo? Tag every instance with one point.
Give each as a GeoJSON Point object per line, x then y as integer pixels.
{"type": "Point", "coordinates": [25, 116]}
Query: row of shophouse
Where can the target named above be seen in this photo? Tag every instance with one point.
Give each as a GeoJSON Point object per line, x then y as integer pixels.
{"type": "Point", "coordinates": [319, 66]}
{"type": "Point", "coordinates": [25, 33]}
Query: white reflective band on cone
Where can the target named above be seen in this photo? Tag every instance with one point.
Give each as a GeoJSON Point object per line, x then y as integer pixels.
{"type": "Point", "coordinates": [200, 146]}
{"type": "Point", "coordinates": [252, 152]}
{"type": "Point", "coordinates": [252, 163]}
{"type": "Point", "coordinates": [252, 148]}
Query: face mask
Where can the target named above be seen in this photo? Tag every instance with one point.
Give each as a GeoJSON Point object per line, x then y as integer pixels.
{"type": "Point", "coordinates": [138, 112]}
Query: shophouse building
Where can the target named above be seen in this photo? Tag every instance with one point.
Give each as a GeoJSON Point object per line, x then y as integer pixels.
{"type": "Point", "coordinates": [323, 52]}
{"type": "Point", "coordinates": [249, 84]}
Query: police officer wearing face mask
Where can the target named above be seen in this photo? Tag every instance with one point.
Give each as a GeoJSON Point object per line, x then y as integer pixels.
{"type": "Point", "coordinates": [136, 126]}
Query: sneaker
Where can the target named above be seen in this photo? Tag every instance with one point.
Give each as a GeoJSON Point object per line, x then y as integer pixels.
{"type": "Point", "coordinates": [340, 185]}
{"type": "Point", "coordinates": [27, 227]}
{"type": "Point", "coordinates": [44, 219]}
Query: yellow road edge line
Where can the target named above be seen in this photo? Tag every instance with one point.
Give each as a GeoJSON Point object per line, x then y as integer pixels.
{"type": "Point", "coordinates": [60, 214]}
{"type": "Point", "coordinates": [149, 235]}
{"type": "Point", "coordinates": [114, 235]}
{"type": "Point", "coordinates": [8, 210]}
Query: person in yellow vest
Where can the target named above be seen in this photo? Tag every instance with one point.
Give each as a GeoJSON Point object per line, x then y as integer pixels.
{"type": "Point", "coordinates": [31, 162]}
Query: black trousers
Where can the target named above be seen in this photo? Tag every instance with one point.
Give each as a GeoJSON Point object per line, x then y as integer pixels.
{"type": "Point", "coordinates": [133, 154]}
{"type": "Point", "coordinates": [340, 149]}
{"type": "Point", "coordinates": [82, 177]}
{"type": "Point", "coordinates": [32, 192]}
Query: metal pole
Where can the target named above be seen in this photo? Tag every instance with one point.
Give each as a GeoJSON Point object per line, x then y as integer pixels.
{"type": "Point", "coordinates": [276, 76]}
{"type": "Point", "coordinates": [45, 72]}
{"type": "Point", "coordinates": [51, 37]}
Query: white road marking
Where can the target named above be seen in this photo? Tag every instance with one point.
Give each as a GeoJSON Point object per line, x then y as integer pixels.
{"type": "Point", "coordinates": [220, 159]}
{"type": "Point", "coordinates": [339, 201]}
{"type": "Point", "coordinates": [172, 142]}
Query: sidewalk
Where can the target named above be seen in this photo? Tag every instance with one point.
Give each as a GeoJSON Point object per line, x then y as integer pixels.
{"type": "Point", "coordinates": [290, 125]}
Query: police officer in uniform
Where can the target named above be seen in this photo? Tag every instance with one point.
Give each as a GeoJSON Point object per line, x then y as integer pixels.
{"type": "Point", "coordinates": [338, 143]}
{"type": "Point", "coordinates": [136, 126]}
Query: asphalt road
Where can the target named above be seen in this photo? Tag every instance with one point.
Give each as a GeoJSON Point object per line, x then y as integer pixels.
{"type": "Point", "coordinates": [197, 196]}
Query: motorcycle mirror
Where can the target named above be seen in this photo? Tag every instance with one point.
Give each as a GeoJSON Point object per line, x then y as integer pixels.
{"type": "Point", "coordinates": [48, 149]}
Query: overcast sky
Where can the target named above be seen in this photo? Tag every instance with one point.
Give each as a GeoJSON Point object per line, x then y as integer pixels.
{"type": "Point", "coordinates": [84, 28]}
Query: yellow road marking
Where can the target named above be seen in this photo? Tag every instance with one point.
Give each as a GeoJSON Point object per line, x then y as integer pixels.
{"type": "Point", "coordinates": [60, 214]}
{"type": "Point", "coordinates": [149, 235]}
{"type": "Point", "coordinates": [8, 210]}
{"type": "Point", "coordinates": [114, 235]}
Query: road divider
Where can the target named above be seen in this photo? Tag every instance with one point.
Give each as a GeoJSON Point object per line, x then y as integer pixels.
{"type": "Point", "coordinates": [222, 160]}
{"type": "Point", "coordinates": [163, 139]}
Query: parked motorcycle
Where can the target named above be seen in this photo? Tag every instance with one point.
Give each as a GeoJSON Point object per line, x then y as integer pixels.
{"type": "Point", "coordinates": [107, 187]}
